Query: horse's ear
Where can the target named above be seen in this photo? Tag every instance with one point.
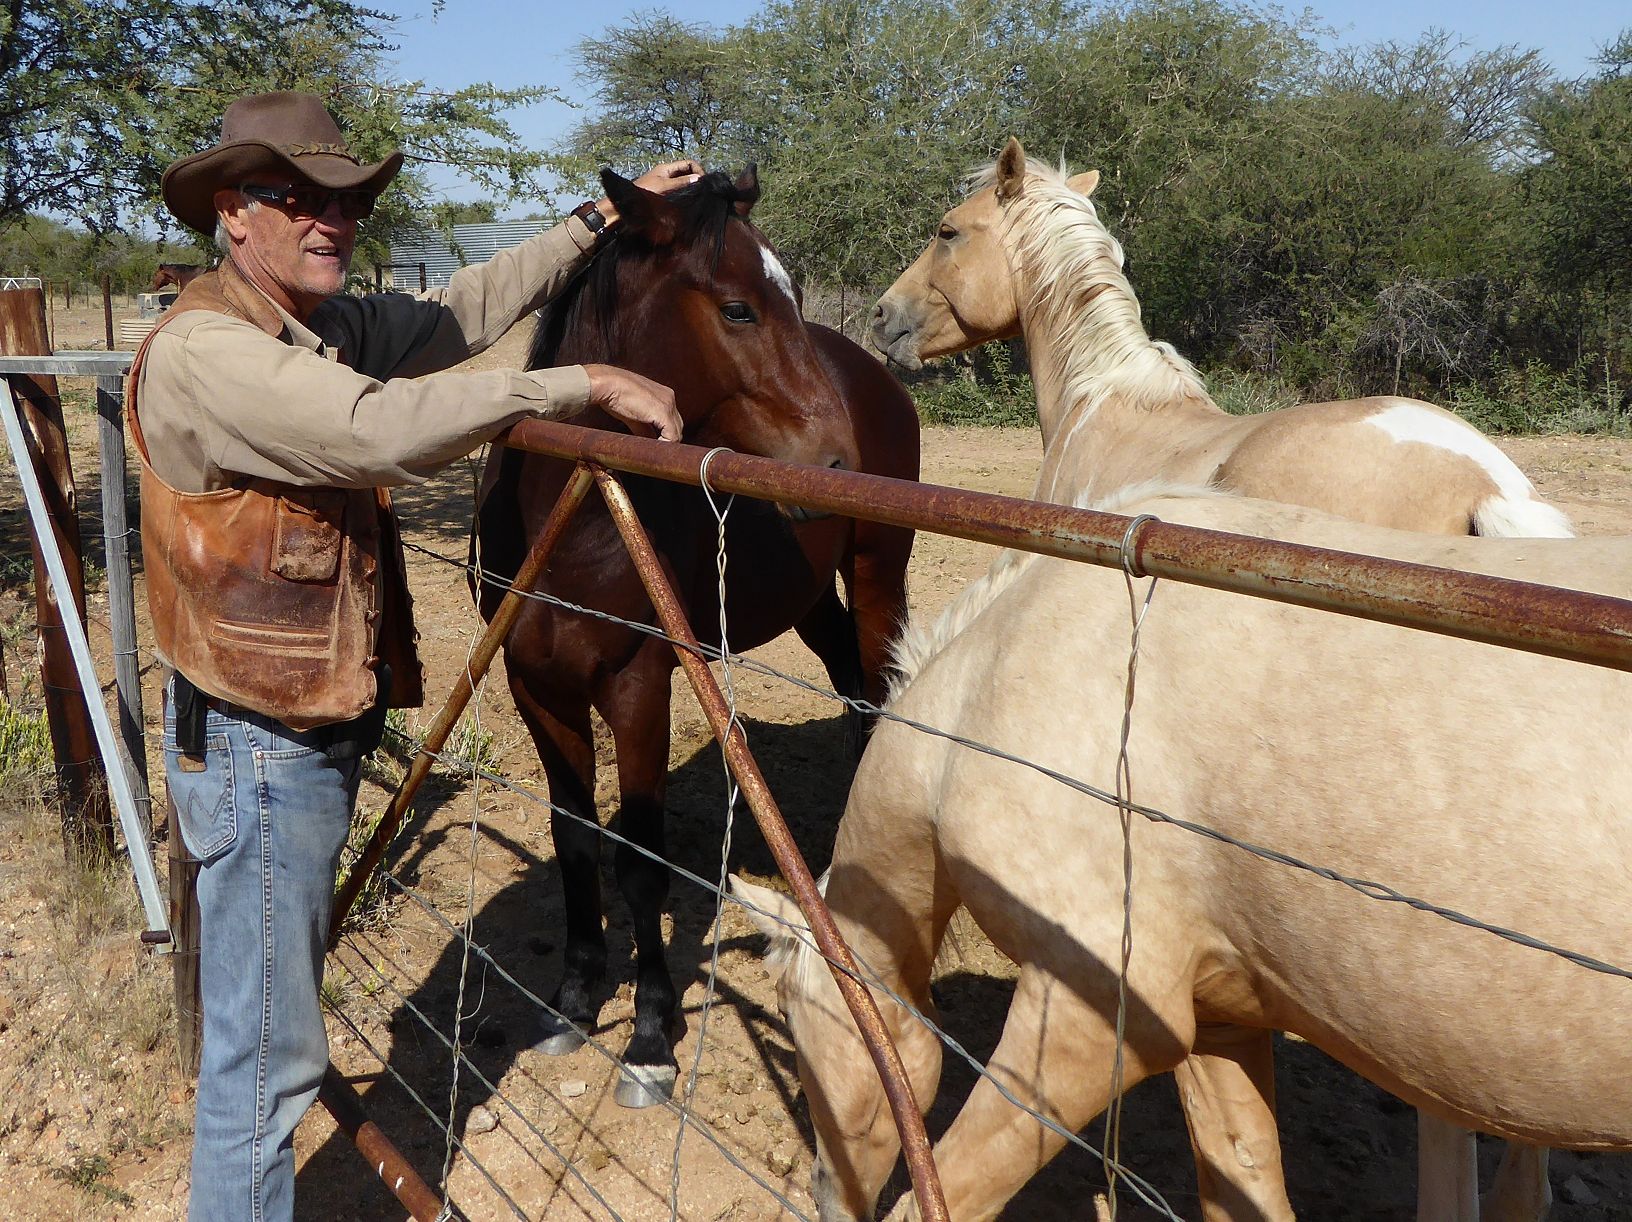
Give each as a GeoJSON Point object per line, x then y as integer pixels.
{"type": "Point", "coordinates": [1011, 170]}
{"type": "Point", "coordinates": [747, 190]}
{"type": "Point", "coordinates": [1083, 184]}
{"type": "Point", "coordinates": [776, 916]}
{"type": "Point", "coordinates": [642, 213]}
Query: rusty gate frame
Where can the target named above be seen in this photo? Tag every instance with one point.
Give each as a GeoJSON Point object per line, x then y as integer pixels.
{"type": "Point", "coordinates": [1569, 624]}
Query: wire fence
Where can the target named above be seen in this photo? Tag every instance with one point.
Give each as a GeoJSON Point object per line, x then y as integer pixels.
{"type": "Point", "coordinates": [363, 952]}
{"type": "Point", "coordinates": [1156, 1199]}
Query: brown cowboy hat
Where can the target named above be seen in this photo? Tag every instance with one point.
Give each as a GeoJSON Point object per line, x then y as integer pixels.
{"type": "Point", "coordinates": [270, 133]}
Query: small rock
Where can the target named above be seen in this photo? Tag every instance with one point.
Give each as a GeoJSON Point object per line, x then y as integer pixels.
{"type": "Point", "coordinates": [481, 1121]}
{"type": "Point", "coordinates": [574, 1087]}
{"type": "Point", "coordinates": [598, 1158]}
{"type": "Point", "coordinates": [1575, 1191]}
{"type": "Point", "coordinates": [784, 1157]}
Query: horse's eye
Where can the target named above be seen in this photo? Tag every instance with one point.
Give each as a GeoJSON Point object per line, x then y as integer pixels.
{"type": "Point", "coordinates": [946, 233]}
{"type": "Point", "coordinates": [738, 311]}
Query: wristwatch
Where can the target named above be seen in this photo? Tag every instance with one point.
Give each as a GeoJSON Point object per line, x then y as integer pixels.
{"type": "Point", "coordinates": [593, 218]}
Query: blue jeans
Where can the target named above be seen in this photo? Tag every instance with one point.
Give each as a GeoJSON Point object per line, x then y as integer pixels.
{"type": "Point", "coordinates": [267, 818]}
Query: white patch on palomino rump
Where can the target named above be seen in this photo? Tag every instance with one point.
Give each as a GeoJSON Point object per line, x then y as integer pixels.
{"type": "Point", "coordinates": [1407, 421]}
{"type": "Point", "coordinates": [776, 273]}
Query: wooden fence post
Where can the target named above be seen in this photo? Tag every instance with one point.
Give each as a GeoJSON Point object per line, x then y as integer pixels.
{"type": "Point", "coordinates": [87, 816]}
{"type": "Point", "coordinates": [107, 307]}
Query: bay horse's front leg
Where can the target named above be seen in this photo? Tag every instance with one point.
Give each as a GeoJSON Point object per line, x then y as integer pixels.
{"type": "Point", "coordinates": [561, 733]}
{"type": "Point", "coordinates": [636, 707]}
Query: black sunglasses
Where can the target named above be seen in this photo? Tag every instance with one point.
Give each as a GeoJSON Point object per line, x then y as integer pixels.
{"type": "Point", "coordinates": [304, 201]}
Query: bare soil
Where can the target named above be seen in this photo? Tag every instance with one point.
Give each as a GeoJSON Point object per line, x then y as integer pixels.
{"type": "Point", "coordinates": [95, 1119]}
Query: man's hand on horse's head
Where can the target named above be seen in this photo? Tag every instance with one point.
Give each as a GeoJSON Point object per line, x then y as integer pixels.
{"type": "Point", "coordinates": [645, 406]}
{"type": "Point", "coordinates": [670, 176]}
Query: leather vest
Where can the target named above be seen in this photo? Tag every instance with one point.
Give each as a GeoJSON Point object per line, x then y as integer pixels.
{"type": "Point", "coordinates": [279, 598]}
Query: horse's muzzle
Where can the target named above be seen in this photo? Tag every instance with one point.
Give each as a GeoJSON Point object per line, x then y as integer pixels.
{"type": "Point", "coordinates": [798, 513]}
{"type": "Point", "coordinates": [894, 334]}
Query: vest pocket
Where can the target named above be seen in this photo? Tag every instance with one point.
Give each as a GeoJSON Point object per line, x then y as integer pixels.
{"type": "Point", "coordinates": [307, 535]}
{"type": "Point", "coordinates": [205, 811]}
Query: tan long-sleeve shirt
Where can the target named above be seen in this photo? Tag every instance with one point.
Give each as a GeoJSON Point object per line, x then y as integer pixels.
{"type": "Point", "coordinates": [356, 398]}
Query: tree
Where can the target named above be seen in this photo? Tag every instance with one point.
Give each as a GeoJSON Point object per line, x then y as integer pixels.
{"type": "Point", "coordinates": [98, 96]}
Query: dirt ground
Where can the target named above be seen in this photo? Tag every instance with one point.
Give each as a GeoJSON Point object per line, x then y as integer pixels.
{"type": "Point", "coordinates": [94, 1119]}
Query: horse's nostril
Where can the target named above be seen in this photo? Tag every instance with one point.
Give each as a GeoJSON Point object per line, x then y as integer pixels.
{"type": "Point", "coordinates": [837, 463]}
{"type": "Point", "coordinates": [878, 312]}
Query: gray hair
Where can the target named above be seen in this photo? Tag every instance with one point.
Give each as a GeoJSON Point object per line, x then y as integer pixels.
{"type": "Point", "coordinates": [223, 239]}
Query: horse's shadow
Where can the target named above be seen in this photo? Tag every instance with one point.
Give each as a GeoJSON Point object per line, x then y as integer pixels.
{"type": "Point", "coordinates": [521, 926]}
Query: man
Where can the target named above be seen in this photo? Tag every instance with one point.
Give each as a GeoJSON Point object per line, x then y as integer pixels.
{"type": "Point", "coordinates": [270, 414]}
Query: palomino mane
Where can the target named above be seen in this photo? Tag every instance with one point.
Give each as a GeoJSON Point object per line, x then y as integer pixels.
{"type": "Point", "coordinates": [706, 207]}
{"type": "Point", "coordinates": [1071, 268]}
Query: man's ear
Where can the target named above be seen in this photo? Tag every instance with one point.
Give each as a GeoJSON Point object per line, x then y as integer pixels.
{"type": "Point", "coordinates": [230, 207]}
{"type": "Point", "coordinates": [641, 213]}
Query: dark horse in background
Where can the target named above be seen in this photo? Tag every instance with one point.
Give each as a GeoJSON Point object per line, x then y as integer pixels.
{"type": "Point", "coordinates": [691, 294]}
{"type": "Point", "coordinates": [178, 274]}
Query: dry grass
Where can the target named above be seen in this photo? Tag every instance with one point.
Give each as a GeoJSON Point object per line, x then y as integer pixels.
{"type": "Point", "coordinates": [88, 1072]}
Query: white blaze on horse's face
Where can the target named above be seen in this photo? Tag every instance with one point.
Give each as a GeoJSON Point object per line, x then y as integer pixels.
{"type": "Point", "coordinates": [776, 273]}
{"type": "Point", "coordinates": [958, 294]}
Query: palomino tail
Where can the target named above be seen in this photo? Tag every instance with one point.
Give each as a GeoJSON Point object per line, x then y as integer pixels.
{"type": "Point", "coordinates": [1521, 517]}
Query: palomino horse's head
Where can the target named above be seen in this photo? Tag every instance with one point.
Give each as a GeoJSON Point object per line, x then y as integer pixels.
{"type": "Point", "coordinates": [960, 292]}
{"type": "Point", "coordinates": [691, 294]}
{"type": "Point", "coordinates": [856, 1141]}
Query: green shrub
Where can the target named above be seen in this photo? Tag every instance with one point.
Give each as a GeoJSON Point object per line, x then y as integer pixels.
{"type": "Point", "coordinates": [986, 389]}
{"type": "Point", "coordinates": [1532, 398]}
{"type": "Point", "coordinates": [25, 744]}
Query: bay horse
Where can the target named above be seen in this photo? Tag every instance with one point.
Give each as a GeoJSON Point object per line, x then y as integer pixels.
{"type": "Point", "coordinates": [691, 294]}
{"type": "Point", "coordinates": [178, 274]}
{"type": "Point", "coordinates": [1454, 771]}
{"type": "Point", "coordinates": [1027, 254]}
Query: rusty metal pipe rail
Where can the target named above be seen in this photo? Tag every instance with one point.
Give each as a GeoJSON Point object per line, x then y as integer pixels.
{"type": "Point", "coordinates": [875, 1035]}
{"type": "Point", "coordinates": [1542, 619]}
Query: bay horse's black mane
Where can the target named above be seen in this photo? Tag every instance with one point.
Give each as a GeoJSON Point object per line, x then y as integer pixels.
{"type": "Point", "coordinates": [705, 207]}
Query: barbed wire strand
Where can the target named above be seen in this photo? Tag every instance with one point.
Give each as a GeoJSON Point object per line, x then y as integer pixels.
{"type": "Point", "coordinates": [1368, 888]}
{"type": "Point", "coordinates": [733, 725]}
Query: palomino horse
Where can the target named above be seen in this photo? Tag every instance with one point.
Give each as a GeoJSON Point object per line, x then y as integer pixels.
{"type": "Point", "coordinates": [1027, 253]}
{"type": "Point", "coordinates": [178, 274]}
{"type": "Point", "coordinates": [1453, 771]}
{"type": "Point", "coordinates": [690, 294]}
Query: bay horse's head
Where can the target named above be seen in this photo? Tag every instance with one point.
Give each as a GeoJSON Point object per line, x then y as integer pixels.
{"type": "Point", "coordinates": [960, 292]}
{"type": "Point", "coordinates": [691, 294]}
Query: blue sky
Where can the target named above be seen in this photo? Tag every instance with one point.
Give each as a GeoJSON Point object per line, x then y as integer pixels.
{"type": "Point", "coordinates": [496, 40]}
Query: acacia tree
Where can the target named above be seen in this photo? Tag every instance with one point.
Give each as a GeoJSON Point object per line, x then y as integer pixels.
{"type": "Point", "coordinates": [98, 96]}
{"type": "Point", "coordinates": [1578, 190]}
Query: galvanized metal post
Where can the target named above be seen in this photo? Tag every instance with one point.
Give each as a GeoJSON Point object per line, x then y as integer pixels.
{"type": "Point", "coordinates": [122, 590]}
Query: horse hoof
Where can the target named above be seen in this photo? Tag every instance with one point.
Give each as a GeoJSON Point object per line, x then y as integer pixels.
{"type": "Point", "coordinates": [560, 1038]}
{"type": "Point", "coordinates": [645, 1085]}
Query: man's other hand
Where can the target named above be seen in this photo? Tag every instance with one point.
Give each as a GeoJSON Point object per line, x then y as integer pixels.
{"type": "Point", "coordinates": [647, 407]}
{"type": "Point", "coordinates": [670, 176]}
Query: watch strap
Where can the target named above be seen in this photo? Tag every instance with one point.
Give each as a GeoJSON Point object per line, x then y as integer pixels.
{"type": "Point", "coordinates": [593, 218]}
